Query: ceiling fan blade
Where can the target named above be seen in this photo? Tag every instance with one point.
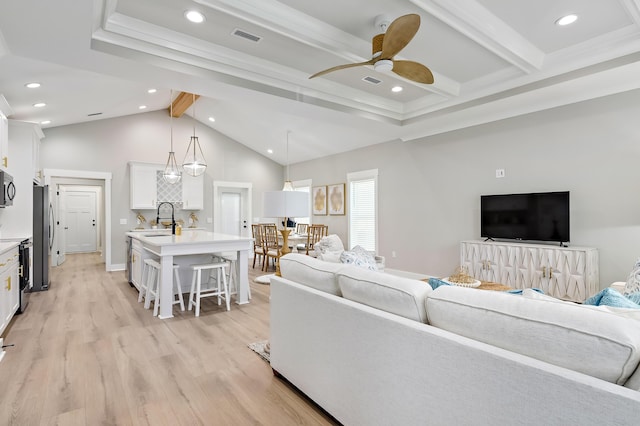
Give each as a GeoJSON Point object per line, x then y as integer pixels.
{"type": "Point", "coordinates": [413, 71]}
{"type": "Point", "coordinates": [340, 67]}
{"type": "Point", "coordinates": [399, 34]}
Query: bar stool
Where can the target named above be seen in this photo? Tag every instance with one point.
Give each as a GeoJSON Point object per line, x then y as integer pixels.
{"type": "Point", "coordinates": [199, 293]}
{"type": "Point", "coordinates": [151, 285]}
{"type": "Point", "coordinates": [232, 276]}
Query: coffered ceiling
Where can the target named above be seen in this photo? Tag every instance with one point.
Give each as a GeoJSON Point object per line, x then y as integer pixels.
{"type": "Point", "coordinates": [491, 59]}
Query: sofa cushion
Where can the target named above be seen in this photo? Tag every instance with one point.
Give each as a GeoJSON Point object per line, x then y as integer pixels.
{"type": "Point", "coordinates": [312, 272]}
{"type": "Point", "coordinates": [565, 334]}
{"type": "Point", "coordinates": [401, 296]}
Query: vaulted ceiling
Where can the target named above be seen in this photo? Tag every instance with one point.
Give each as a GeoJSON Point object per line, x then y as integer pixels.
{"type": "Point", "coordinates": [250, 60]}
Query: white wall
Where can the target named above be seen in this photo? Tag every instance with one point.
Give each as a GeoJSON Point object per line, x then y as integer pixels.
{"type": "Point", "coordinates": [108, 145]}
{"type": "Point", "coordinates": [429, 190]}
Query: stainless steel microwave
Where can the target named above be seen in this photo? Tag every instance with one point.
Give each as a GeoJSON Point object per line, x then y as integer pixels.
{"type": "Point", "coordinates": [8, 189]}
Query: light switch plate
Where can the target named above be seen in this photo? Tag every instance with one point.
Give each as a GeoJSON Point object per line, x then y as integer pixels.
{"type": "Point", "coordinates": [123, 221]}
{"type": "Point", "coordinates": [209, 220]}
{"type": "Point", "coordinates": [499, 173]}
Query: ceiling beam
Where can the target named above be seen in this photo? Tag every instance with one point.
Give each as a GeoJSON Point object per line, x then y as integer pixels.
{"type": "Point", "coordinates": [181, 103]}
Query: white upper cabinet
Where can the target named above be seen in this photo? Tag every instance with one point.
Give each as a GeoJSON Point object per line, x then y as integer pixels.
{"type": "Point", "coordinates": [148, 188]}
{"type": "Point", "coordinates": [143, 186]}
{"type": "Point", "coordinates": [192, 192]}
{"type": "Point", "coordinates": [4, 141]}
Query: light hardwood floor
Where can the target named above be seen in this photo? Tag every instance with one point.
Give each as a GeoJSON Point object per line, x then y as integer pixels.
{"type": "Point", "coordinates": [87, 353]}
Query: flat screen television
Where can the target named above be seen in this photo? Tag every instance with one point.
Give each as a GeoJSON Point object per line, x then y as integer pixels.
{"type": "Point", "coordinates": [542, 216]}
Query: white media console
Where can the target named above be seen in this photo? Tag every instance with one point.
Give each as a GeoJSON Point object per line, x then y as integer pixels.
{"type": "Point", "coordinates": [569, 273]}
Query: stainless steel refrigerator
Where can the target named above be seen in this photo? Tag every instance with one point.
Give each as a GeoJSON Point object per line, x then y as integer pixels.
{"type": "Point", "coordinates": [42, 237]}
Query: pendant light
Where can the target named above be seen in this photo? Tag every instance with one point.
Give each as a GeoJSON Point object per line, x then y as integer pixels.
{"type": "Point", "coordinates": [194, 163]}
{"type": "Point", "coordinates": [288, 186]}
{"type": "Point", "coordinates": [171, 173]}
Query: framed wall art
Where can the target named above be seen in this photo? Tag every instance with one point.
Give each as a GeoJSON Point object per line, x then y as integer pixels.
{"type": "Point", "coordinates": [335, 195]}
{"type": "Point", "coordinates": [319, 195]}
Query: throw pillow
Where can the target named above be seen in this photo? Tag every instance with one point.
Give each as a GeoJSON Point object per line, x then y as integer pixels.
{"type": "Point", "coordinates": [360, 257]}
{"type": "Point", "coordinates": [435, 283]}
{"type": "Point", "coordinates": [610, 297]}
{"type": "Point", "coordinates": [330, 243]}
{"type": "Point", "coordinates": [633, 282]}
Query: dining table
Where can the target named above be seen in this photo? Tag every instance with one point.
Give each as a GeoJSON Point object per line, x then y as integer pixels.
{"type": "Point", "coordinates": [189, 243]}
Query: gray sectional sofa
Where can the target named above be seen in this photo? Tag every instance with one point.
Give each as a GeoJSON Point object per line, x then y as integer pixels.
{"type": "Point", "coordinates": [376, 349]}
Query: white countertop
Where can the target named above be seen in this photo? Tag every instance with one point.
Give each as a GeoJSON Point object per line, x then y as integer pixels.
{"type": "Point", "coordinates": [8, 245]}
{"type": "Point", "coordinates": [187, 237]}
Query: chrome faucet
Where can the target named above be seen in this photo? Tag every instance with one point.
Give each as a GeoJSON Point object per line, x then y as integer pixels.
{"type": "Point", "coordinates": [173, 220]}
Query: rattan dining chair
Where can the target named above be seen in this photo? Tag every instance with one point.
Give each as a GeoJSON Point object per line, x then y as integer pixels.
{"type": "Point", "coordinates": [271, 247]}
{"type": "Point", "coordinates": [258, 248]}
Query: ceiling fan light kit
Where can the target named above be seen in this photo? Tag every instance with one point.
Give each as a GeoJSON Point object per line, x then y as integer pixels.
{"type": "Point", "coordinates": [388, 44]}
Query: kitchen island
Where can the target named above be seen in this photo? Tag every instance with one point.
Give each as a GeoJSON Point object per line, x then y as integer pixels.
{"type": "Point", "coordinates": [194, 243]}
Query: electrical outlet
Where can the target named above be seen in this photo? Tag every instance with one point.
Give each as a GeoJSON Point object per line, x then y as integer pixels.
{"type": "Point", "coordinates": [499, 173]}
{"type": "Point", "coordinates": [209, 220]}
{"type": "Point", "coordinates": [123, 221]}
{"type": "Point", "coordinates": [393, 254]}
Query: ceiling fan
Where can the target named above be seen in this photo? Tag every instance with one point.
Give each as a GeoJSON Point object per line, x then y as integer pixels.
{"type": "Point", "coordinates": [387, 44]}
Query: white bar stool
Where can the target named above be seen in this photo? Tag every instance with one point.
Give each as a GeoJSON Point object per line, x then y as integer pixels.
{"type": "Point", "coordinates": [151, 285]}
{"type": "Point", "coordinates": [232, 276]}
{"type": "Point", "coordinates": [199, 293]}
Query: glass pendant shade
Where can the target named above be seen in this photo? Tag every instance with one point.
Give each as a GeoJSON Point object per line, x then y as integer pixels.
{"type": "Point", "coordinates": [171, 173]}
{"type": "Point", "coordinates": [194, 163]}
{"type": "Point", "coordinates": [288, 186]}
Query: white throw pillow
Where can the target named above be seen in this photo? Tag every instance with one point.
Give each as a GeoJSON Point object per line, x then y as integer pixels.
{"type": "Point", "coordinates": [331, 243]}
{"type": "Point", "coordinates": [358, 256]}
{"type": "Point", "coordinates": [633, 282]}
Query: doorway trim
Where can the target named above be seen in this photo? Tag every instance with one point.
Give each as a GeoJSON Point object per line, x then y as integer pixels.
{"type": "Point", "coordinates": [246, 189]}
{"type": "Point", "coordinates": [49, 174]}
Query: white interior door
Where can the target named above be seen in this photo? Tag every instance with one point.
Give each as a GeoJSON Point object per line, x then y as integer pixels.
{"type": "Point", "coordinates": [231, 213]}
{"type": "Point", "coordinates": [80, 223]}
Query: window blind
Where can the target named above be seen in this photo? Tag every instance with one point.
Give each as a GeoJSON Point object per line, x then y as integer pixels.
{"type": "Point", "coordinates": [362, 213]}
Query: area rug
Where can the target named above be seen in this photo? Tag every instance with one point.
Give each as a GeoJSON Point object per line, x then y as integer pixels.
{"type": "Point", "coordinates": [258, 347]}
{"type": "Point", "coordinates": [264, 279]}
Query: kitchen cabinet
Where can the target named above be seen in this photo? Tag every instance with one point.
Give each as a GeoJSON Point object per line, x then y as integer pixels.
{"type": "Point", "coordinates": [4, 141]}
{"type": "Point", "coordinates": [192, 192]}
{"type": "Point", "coordinates": [143, 186]}
{"type": "Point", "coordinates": [137, 260]}
{"type": "Point", "coordinates": [569, 273]}
{"type": "Point", "coordinates": [10, 286]}
{"type": "Point", "coordinates": [35, 160]}
{"type": "Point", "coordinates": [147, 188]}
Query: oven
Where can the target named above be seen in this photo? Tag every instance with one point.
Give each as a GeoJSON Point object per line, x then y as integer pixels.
{"type": "Point", "coordinates": [8, 192]}
{"type": "Point", "coordinates": [24, 270]}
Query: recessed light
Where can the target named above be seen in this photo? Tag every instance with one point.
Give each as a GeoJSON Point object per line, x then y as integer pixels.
{"type": "Point", "coordinates": [142, 107]}
{"type": "Point", "coordinates": [39, 105]}
{"type": "Point", "coordinates": [151, 91]}
{"type": "Point", "coordinates": [32, 85]}
{"type": "Point", "coordinates": [194, 16]}
{"type": "Point", "coordinates": [396, 89]}
{"type": "Point", "coordinates": [567, 19]}
{"type": "Point", "coordinates": [211, 119]}
{"type": "Point", "coordinates": [270, 151]}
{"type": "Point", "coordinates": [45, 122]}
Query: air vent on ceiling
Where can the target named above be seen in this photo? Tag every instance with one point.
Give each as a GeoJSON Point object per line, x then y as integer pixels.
{"type": "Point", "coordinates": [251, 37]}
{"type": "Point", "coordinates": [95, 113]}
{"type": "Point", "coordinates": [372, 80]}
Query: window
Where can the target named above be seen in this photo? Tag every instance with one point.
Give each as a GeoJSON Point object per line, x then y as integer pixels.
{"type": "Point", "coordinates": [304, 186]}
{"type": "Point", "coordinates": [363, 209]}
